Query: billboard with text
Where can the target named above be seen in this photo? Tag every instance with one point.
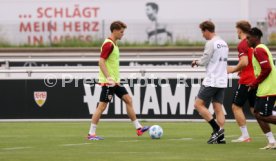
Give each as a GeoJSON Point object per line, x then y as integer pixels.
{"type": "Point", "coordinates": [37, 22]}
{"type": "Point", "coordinates": [152, 99]}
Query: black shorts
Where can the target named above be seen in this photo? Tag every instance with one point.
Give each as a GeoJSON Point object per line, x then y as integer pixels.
{"type": "Point", "coordinates": [265, 105]}
{"type": "Point", "coordinates": [108, 92]}
{"type": "Point", "coordinates": [241, 95]}
{"type": "Point", "coordinates": [211, 94]}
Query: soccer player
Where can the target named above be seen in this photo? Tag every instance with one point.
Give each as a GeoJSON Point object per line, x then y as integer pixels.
{"type": "Point", "coordinates": [265, 72]}
{"type": "Point", "coordinates": [215, 60]}
{"type": "Point", "coordinates": [246, 73]}
{"type": "Point", "coordinates": [109, 79]}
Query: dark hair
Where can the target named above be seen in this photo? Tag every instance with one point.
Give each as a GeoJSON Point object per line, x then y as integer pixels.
{"type": "Point", "coordinates": [207, 25]}
{"type": "Point", "coordinates": [243, 25]}
{"type": "Point", "coordinates": [153, 5]}
{"type": "Point", "coordinates": [255, 32]}
{"type": "Point", "coordinates": [117, 25]}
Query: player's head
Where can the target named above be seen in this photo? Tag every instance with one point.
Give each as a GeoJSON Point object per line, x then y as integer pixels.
{"type": "Point", "coordinates": [207, 29]}
{"type": "Point", "coordinates": [254, 37]}
{"type": "Point", "coordinates": [117, 28]}
{"type": "Point", "coordinates": [152, 10]}
{"type": "Point", "coordinates": [242, 27]}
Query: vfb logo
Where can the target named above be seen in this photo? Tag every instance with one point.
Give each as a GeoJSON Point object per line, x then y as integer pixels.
{"type": "Point", "coordinates": [40, 97]}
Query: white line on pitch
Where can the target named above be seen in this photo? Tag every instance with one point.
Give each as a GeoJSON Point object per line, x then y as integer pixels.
{"type": "Point", "coordinates": [131, 152]}
{"type": "Point", "coordinates": [16, 148]}
{"type": "Point", "coordinates": [126, 141]}
{"type": "Point", "coordinates": [76, 144]}
{"type": "Point", "coordinates": [231, 136]}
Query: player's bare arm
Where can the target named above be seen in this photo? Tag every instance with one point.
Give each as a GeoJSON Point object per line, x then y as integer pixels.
{"type": "Point", "coordinates": [242, 64]}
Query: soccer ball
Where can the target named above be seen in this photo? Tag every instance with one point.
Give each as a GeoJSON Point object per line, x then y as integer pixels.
{"type": "Point", "coordinates": [155, 132]}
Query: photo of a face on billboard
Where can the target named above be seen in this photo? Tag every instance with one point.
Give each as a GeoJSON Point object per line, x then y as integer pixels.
{"type": "Point", "coordinates": [157, 33]}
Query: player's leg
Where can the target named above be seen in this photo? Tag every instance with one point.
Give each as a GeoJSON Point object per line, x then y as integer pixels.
{"type": "Point", "coordinates": [240, 97]}
{"type": "Point", "coordinates": [203, 111]}
{"type": "Point", "coordinates": [265, 127]}
{"type": "Point", "coordinates": [217, 104]}
{"type": "Point", "coordinates": [105, 97]}
{"type": "Point", "coordinates": [205, 94]}
{"type": "Point", "coordinates": [239, 116]}
{"type": "Point", "coordinates": [251, 100]}
{"type": "Point", "coordinates": [95, 119]}
{"type": "Point", "coordinates": [218, 109]}
{"type": "Point", "coordinates": [220, 117]}
{"type": "Point", "coordinates": [263, 108]}
{"type": "Point", "coordinates": [129, 107]}
{"type": "Point", "coordinates": [265, 113]}
{"type": "Point", "coordinates": [270, 119]}
{"type": "Point", "coordinates": [122, 93]}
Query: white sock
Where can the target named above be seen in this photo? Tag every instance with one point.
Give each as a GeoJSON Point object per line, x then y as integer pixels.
{"type": "Point", "coordinates": [93, 128]}
{"type": "Point", "coordinates": [136, 124]}
{"type": "Point", "coordinates": [270, 137]}
{"type": "Point", "coordinates": [244, 131]}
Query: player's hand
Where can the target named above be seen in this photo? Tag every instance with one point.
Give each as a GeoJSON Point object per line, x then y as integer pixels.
{"type": "Point", "coordinates": [252, 86]}
{"type": "Point", "coordinates": [194, 63]}
{"type": "Point", "coordinates": [239, 73]}
{"type": "Point", "coordinates": [230, 69]}
{"type": "Point", "coordinates": [111, 82]}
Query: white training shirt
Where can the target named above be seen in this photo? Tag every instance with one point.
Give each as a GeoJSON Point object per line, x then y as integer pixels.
{"type": "Point", "coordinates": [215, 60]}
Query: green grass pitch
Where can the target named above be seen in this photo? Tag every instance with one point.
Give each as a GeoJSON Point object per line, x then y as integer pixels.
{"type": "Point", "coordinates": [182, 141]}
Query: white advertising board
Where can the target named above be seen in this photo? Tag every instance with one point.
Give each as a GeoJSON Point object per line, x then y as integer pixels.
{"type": "Point", "coordinates": [49, 21]}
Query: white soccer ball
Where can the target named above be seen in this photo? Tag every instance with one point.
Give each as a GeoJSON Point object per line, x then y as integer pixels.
{"type": "Point", "coordinates": [155, 132]}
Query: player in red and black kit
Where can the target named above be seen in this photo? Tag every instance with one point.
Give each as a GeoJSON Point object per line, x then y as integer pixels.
{"type": "Point", "coordinates": [109, 78]}
{"type": "Point", "coordinates": [246, 73]}
{"type": "Point", "coordinates": [265, 72]}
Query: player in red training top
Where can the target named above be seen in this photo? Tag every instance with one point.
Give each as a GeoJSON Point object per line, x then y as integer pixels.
{"type": "Point", "coordinates": [265, 72]}
{"type": "Point", "coordinates": [246, 73]}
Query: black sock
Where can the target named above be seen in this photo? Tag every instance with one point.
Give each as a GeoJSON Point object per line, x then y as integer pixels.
{"type": "Point", "coordinates": [214, 125]}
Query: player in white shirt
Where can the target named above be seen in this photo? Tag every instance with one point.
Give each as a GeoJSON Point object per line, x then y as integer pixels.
{"type": "Point", "coordinates": [212, 89]}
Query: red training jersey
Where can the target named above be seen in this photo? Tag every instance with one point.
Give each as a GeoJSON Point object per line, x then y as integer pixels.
{"type": "Point", "coordinates": [247, 73]}
{"type": "Point", "coordinates": [262, 57]}
{"type": "Point", "coordinates": [107, 49]}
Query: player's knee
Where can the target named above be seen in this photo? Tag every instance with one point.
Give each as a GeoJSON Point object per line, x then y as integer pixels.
{"type": "Point", "coordinates": [101, 108]}
{"type": "Point", "coordinates": [236, 108]}
{"type": "Point", "coordinates": [128, 99]}
{"type": "Point", "coordinates": [197, 104]}
{"type": "Point", "coordinates": [258, 115]}
{"type": "Point", "coordinates": [218, 110]}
